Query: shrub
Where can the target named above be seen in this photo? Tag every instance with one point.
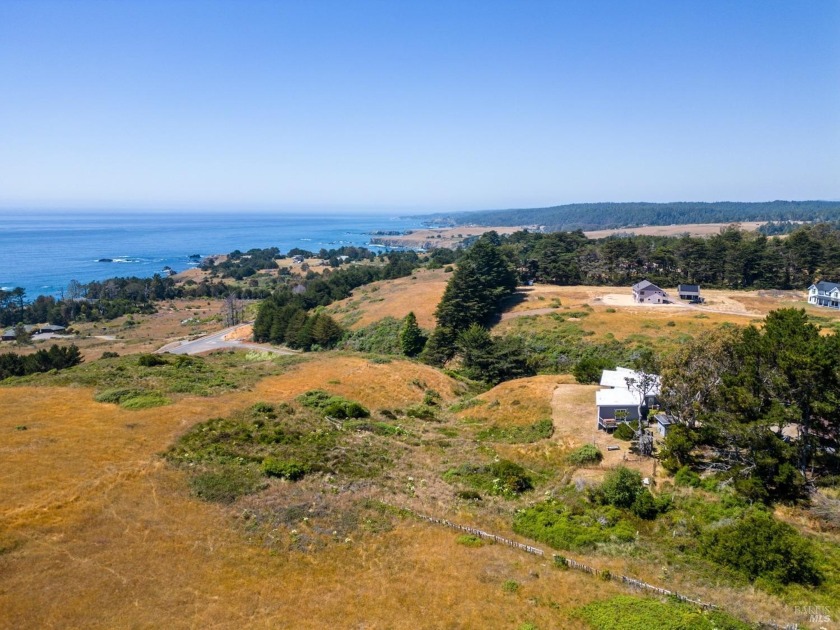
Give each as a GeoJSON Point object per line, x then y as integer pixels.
{"type": "Point", "coordinates": [422, 412]}
{"type": "Point", "coordinates": [588, 369]}
{"type": "Point", "coordinates": [151, 360]}
{"type": "Point", "coordinates": [622, 486]}
{"type": "Point", "coordinates": [586, 454]}
{"type": "Point", "coordinates": [574, 527]}
{"type": "Point", "coordinates": [759, 546]}
{"type": "Point", "coordinates": [503, 478]}
{"type": "Point", "coordinates": [687, 478]}
{"type": "Point", "coordinates": [333, 406]}
{"type": "Point", "coordinates": [469, 540]}
{"type": "Point", "coordinates": [116, 396]}
{"type": "Point", "coordinates": [468, 495]}
{"type": "Point", "coordinates": [110, 355]}
{"type": "Point", "coordinates": [510, 586]}
{"type": "Point", "coordinates": [625, 431]}
{"type": "Point", "coordinates": [292, 471]}
{"type": "Point", "coordinates": [645, 505]}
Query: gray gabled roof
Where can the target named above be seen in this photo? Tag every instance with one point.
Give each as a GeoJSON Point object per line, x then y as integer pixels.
{"type": "Point", "coordinates": [827, 287]}
{"type": "Point", "coordinates": [645, 284]}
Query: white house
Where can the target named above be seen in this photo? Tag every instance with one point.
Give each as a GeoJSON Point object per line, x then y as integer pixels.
{"type": "Point", "coordinates": [646, 292]}
{"type": "Point", "coordinates": [621, 399]}
{"type": "Point", "coordinates": [824, 294]}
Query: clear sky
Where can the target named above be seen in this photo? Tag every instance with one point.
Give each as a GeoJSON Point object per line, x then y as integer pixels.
{"type": "Point", "coordinates": [426, 105]}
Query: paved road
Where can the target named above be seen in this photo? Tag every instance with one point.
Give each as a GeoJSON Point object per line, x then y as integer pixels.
{"type": "Point", "coordinates": [217, 341]}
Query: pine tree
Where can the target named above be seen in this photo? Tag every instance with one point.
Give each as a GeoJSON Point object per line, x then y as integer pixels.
{"type": "Point", "coordinates": [412, 339]}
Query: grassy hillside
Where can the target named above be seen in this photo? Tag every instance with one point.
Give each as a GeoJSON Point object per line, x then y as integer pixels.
{"type": "Point", "coordinates": [246, 498]}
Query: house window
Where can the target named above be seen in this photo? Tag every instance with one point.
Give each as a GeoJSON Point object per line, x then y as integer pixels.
{"type": "Point", "coordinates": [621, 414]}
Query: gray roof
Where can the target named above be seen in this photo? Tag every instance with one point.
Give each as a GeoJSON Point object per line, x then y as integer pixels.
{"type": "Point", "coordinates": [645, 284]}
{"type": "Point", "coordinates": [693, 288]}
{"type": "Point", "coordinates": [822, 285]}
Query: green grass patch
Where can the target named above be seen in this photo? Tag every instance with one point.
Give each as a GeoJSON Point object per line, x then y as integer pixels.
{"type": "Point", "coordinates": [469, 540]}
{"type": "Point", "coordinates": [627, 612]}
{"type": "Point", "coordinates": [526, 434]}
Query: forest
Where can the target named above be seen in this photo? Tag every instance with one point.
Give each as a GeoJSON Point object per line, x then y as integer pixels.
{"type": "Point", "coordinates": [598, 216]}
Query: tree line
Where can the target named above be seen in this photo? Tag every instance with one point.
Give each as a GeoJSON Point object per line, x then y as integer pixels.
{"type": "Point", "coordinates": [732, 259]}
{"type": "Point", "coordinates": [56, 358]}
{"type": "Point", "coordinates": [598, 216]}
{"type": "Point", "coordinates": [285, 316]}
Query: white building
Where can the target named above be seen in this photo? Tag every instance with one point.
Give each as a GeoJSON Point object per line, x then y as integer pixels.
{"type": "Point", "coordinates": [646, 292]}
{"type": "Point", "coordinates": [824, 294]}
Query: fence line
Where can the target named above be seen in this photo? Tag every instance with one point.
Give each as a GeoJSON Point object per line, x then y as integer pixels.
{"type": "Point", "coordinates": [579, 566]}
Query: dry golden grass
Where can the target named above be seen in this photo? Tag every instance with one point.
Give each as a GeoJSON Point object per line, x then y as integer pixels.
{"type": "Point", "coordinates": [375, 385]}
{"type": "Point", "coordinates": [98, 532]}
{"type": "Point", "coordinates": [419, 292]}
{"type": "Point", "coordinates": [694, 229]}
{"type": "Point", "coordinates": [519, 402]}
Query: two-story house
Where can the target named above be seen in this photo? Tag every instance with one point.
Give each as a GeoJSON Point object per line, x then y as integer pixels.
{"type": "Point", "coordinates": [824, 294]}
{"type": "Point", "coordinates": [646, 292]}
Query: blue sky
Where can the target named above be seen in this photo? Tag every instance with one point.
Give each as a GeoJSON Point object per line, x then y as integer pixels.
{"type": "Point", "coordinates": [416, 105]}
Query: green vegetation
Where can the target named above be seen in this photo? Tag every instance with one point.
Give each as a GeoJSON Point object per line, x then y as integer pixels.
{"type": "Point", "coordinates": [411, 337]}
{"type": "Point", "coordinates": [119, 379]}
{"type": "Point", "coordinates": [734, 391]}
{"type": "Point", "coordinates": [573, 524]}
{"type": "Point", "coordinates": [503, 478]}
{"type": "Point", "coordinates": [525, 434]}
{"type": "Point", "coordinates": [469, 540]}
{"type": "Point", "coordinates": [760, 547]}
{"type": "Point", "coordinates": [586, 454]}
{"type": "Point", "coordinates": [483, 279]}
{"type": "Point", "coordinates": [56, 358]}
{"type": "Point", "coordinates": [627, 612]}
{"type": "Point", "coordinates": [332, 406]}
{"type": "Point", "coordinates": [225, 455]}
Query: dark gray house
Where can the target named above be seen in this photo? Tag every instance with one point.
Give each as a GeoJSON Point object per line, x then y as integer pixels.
{"type": "Point", "coordinates": [646, 292]}
{"type": "Point", "coordinates": [689, 291]}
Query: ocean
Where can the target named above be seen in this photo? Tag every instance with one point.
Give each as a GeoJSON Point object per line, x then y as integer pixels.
{"type": "Point", "coordinates": [42, 252]}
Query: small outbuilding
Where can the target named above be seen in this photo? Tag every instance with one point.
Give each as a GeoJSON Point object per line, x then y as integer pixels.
{"type": "Point", "coordinates": [663, 423]}
{"type": "Point", "coordinates": [646, 292]}
{"type": "Point", "coordinates": [689, 292]}
{"type": "Point", "coordinates": [8, 335]}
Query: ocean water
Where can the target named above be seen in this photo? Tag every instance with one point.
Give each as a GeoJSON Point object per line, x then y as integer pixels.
{"type": "Point", "coordinates": [42, 252]}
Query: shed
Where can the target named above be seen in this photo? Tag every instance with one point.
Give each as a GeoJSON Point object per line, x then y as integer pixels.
{"type": "Point", "coordinates": [50, 328]}
{"type": "Point", "coordinates": [663, 423]}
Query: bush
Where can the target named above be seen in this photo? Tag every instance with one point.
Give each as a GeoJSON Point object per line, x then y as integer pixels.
{"type": "Point", "coordinates": [625, 431]}
{"type": "Point", "coordinates": [292, 471]}
{"type": "Point", "coordinates": [586, 454]}
{"type": "Point", "coordinates": [151, 360]}
{"type": "Point", "coordinates": [687, 478]}
{"type": "Point", "coordinates": [510, 586]}
{"type": "Point", "coordinates": [469, 540]}
{"type": "Point", "coordinates": [422, 412]}
{"type": "Point", "coordinates": [588, 369]}
{"type": "Point", "coordinates": [503, 478]}
{"type": "Point", "coordinates": [116, 396]}
{"type": "Point", "coordinates": [468, 495]}
{"type": "Point", "coordinates": [645, 505]}
{"type": "Point", "coordinates": [573, 526]}
{"type": "Point", "coordinates": [760, 547]}
{"type": "Point", "coordinates": [621, 487]}
{"type": "Point", "coordinates": [110, 355]}
{"type": "Point", "coordinates": [333, 406]}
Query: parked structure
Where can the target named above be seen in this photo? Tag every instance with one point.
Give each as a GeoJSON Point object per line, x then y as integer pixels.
{"type": "Point", "coordinates": [824, 294]}
{"type": "Point", "coordinates": [646, 292]}
{"type": "Point", "coordinates": [627, 396]}
{"type": "Point", "coordinates": [689, 292]}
